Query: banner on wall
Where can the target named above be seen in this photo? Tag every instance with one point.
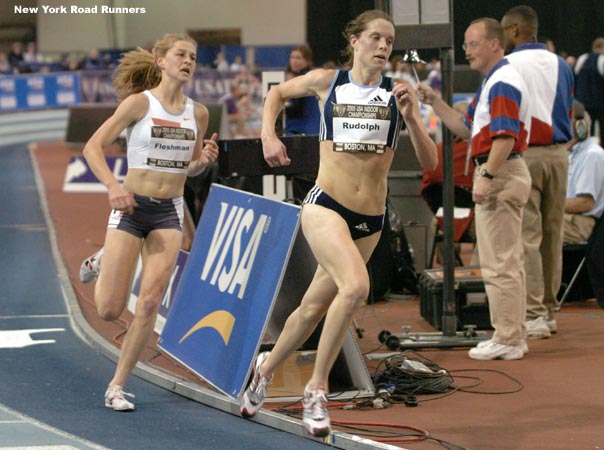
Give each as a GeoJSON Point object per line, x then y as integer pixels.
{"type": "Point", "coordinates": [229, 284]}
{"type": "Point", "coordinates": [23, 92]}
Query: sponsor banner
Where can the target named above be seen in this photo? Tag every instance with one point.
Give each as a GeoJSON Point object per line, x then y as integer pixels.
{"type": "Point", "coordinates": [79, 176]}
{"type": "Point", "coordinates": [229, 285]}
{"type": "Point", "coordinates": [22, 92]}
{"type": "Point", "coordinates": [206, 86]}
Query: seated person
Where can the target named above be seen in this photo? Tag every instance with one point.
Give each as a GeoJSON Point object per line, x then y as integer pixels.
{"type": "Point", "coordinates": [585, 188]}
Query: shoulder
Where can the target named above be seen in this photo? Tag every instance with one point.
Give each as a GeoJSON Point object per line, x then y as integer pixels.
{"type": "Point", "coordinates": [508, 74]}
{"type": "Point", "coordinates": [320, 76]}
{"type": "Point", "coordinates": [315, 82]}
{"type": "Point", "coordinates": [201, 111]}
{"type": "Point", "coordinates": [134, 107]}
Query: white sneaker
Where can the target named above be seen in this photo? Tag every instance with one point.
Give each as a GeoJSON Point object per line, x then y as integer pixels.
{"type": "Point", "coordinates": [492, 350]}
{"type": "Point", "coordinates": [523, 345]}
{"type": "Point", "coordinates": [315, 416]}
{"type": "Point", "coordinates": [537, 328]}
{"type": "Point", "coordinates": [90, 268]}
{"type": "Point", "coordinates": [253, 397]}
{"type": "Point", "coordinates": [553, 326]}
{"type": "Point", "coordinates": [114, 398]}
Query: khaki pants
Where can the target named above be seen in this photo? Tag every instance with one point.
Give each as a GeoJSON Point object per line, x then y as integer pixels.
{"type": "Point", "coordinates": [542, 229]}
{"type": "Point", "coordinates": [577, 228]}
{"type": "Point", "coordinates": [499, 234]}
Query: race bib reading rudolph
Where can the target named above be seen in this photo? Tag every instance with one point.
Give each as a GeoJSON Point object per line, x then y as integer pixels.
{"type": "Point", "coordinates": [360, 128]}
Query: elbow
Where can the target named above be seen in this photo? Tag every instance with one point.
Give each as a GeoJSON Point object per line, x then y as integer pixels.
{"type": "Point", "coordinates": [87, 151]}
{"type": "Point", "coordinates": [432, 161]}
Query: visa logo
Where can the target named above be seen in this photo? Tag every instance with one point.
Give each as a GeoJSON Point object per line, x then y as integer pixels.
{"type": "Point", "coordinates": [227, 262]}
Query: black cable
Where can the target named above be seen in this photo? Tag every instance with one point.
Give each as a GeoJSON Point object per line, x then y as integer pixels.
{"type": "Point", "coordinates": [406, 376]}
{"type": "Point", "coordinates": [518, 388]}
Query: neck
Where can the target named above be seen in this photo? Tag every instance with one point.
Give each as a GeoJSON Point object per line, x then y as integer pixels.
{"type": "Point", "coordinates": [366, 77]}
{"type": "Point", "coordinates": [170, 92]}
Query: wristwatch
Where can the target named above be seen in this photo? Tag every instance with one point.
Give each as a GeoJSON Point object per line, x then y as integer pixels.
{"type": "Point", "coordinates": [484, 173]}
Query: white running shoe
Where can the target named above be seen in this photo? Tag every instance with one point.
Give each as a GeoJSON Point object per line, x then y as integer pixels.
{"type": "Point", "coordinates": [538, 328]}
{"type": "Point", "coordinates": [114, 398]}
{"type": "Point", "coordinates": [492, 350]}
{"type": "Point", "coordinates": [90, 268]}
{"type": "Point", "coordinates": [315, 416]}
{"type": "Point", "coordinates": [253, 397]}
{"type": "Point", "coordinates": [524, 345]}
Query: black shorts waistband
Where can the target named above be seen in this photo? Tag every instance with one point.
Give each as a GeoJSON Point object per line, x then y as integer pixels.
{"type": "Point", "coordinates": [143, 199]}
{"type": "Point", "coordinates": [478, 160]}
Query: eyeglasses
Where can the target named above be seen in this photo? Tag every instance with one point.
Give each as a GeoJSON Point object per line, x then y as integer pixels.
{"type": "Point", "coordinates": [471, 44]}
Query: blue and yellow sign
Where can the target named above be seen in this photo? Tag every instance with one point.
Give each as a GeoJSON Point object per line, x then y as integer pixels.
{"type": "Point", "coordinates": [229, 284]}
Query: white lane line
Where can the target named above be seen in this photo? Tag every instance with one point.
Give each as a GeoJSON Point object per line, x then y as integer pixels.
{"type": "Point", "coordinates": [49, 429]}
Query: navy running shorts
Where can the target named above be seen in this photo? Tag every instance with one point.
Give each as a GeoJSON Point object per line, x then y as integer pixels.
{"type": "Point", "coordinates": [150, 214]}
{"type": "Point", "coordinates": [360, 225]}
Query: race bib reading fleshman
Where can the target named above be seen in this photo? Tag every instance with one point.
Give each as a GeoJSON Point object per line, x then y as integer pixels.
{"type": "Point", "coordinates": [360, 128]}
{"type": "Point", "coordinates": [170, 147]}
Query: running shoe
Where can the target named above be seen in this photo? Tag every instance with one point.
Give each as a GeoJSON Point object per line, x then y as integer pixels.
{"type": "Point", "coordinates": [315, 416]}
{"type": "Point", "coordinates": [90, 268]}
{"type": "Point", "coordinates": [114, 398]}
{"type": "Point", "coordinates": [253, 397]}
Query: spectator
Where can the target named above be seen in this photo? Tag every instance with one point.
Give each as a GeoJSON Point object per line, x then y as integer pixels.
{"type": "Point", "coordinates": [15, 56]}
{"type": "Point", "coordinates": [5, 66]}
{"type": "Point", "coordinates": [496, 121]}
{"type": "Point", "coordinates": [302, 115]}
{"type": "Point", "coordinates": [550, 83]}
{"type": "Point", "coordinates": [236, 64]}
{"type": "Point", "coordinates": [246, 82]}
{"type": "Point", "coordinates": [220, 63]}
{"type": "Point", "coordinates": [549, 43]}
{"type": "Point", "coordinates": [589, 72]}
{"type": "Point", "coordinates": [239, 111]}
{"type": "Point", "coordinates": [585, 190]}
{"type": "Point", "coordinates": [31, 55]}
{"type": "Point", "coordinates": [93, 61]}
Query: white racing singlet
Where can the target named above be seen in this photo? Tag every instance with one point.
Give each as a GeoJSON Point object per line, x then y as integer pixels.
{"type": "Point", "coordinates": [162, 141]}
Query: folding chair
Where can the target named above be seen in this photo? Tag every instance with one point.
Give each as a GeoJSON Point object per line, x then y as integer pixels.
{"type": "Point", "coordinates": [567, 249]}
{"type": "Point", "coordinates": [593, 250]}
{"type": "Point", "coordinates": [462, 200]}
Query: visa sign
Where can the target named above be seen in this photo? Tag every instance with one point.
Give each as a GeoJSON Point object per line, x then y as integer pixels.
{"type": "Point", "coordinates": [228, 266]}
{"type": "Point", "coordinates": [229, 284]}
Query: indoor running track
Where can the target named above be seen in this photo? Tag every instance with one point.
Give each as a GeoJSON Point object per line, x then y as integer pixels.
{"type": "Point", "coordinates": [52, 382]}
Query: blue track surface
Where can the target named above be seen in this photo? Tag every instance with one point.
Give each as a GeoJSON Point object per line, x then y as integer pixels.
{"type": "Point", "coordinates": [61, 383]}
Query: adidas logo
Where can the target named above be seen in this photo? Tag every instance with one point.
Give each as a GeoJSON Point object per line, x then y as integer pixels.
{"type": "Point", "coordinates": [362, 227]}
{"type": "Point", "coordinates": [377, 100]}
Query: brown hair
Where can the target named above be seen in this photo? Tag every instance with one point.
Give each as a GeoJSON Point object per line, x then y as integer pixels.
{"type": "Point", "coordinates": [597, 44]}
{"type": "Point", "coordinates": [356, 26]}
{"type": "Point", "coordinates": [305, 51]}
{"type": "Point", "coordinates": [138, 70]}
